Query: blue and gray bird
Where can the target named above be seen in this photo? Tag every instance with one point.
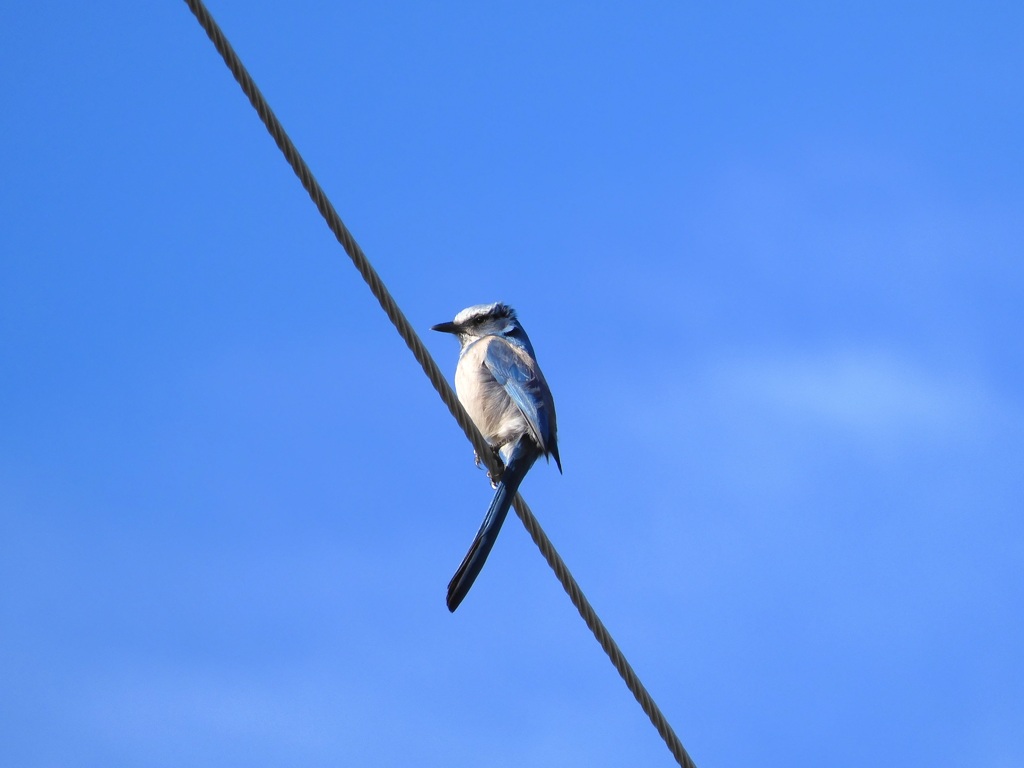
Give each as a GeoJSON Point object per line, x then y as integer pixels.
{"type": "Point", "coordinates": [503, 390]}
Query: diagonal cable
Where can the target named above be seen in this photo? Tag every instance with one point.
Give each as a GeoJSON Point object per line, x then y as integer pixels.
{"type": "Point", "coordinates": [419, 351]}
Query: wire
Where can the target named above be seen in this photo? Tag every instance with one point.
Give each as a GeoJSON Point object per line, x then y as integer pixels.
{"type": "Point", "coordinates": [419, 351]}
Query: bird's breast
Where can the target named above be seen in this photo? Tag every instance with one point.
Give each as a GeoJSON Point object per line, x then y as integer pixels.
{"type": "Point", "coordinates": [488, 404]}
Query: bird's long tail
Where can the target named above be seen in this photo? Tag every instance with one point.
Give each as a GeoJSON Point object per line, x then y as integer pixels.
{"type": "Point", "coordinates": [521, 459]}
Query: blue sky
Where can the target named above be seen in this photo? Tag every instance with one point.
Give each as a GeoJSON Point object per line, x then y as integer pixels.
{"type": "Point", "coordinates": [770, 258]}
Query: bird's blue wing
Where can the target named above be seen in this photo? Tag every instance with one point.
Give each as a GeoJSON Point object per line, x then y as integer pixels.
{"type": "Point", "coordinates": [524, 384]}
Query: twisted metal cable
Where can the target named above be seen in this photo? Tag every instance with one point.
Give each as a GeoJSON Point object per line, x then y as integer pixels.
{"type": "Point", "coordinates": [433, 373]}
{"type": "Point", "coordinates": [601, 633]}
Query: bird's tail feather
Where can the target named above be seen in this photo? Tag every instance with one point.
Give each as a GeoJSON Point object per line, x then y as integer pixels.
{"type": "Point", "coordinates": [521, 459]}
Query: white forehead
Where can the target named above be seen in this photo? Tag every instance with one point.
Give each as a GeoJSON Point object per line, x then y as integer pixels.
{"type": "Point", "coordinates": [480, 311]}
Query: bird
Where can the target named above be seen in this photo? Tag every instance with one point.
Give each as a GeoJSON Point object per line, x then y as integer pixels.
{"type": "Point", "coordinates": [504, 392]}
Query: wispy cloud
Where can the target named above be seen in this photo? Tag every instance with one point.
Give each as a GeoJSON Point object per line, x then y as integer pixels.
{"type": "Point", "coordinates": [873, 394]}
{"type": "Point", "coordinates": [148, 714]}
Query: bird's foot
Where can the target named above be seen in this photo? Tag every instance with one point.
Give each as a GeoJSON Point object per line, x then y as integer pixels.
{"type": "Point", "coordinates": [480, 465]}
{"type": "Point", "coordinates": [492, 476]}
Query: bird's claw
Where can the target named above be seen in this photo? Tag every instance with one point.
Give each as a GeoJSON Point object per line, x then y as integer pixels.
{"type": "Point", "coordinates": [494, 478]}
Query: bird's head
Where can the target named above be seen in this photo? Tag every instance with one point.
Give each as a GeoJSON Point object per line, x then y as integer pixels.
{"type": "Point", "coordinates": [481, 320]}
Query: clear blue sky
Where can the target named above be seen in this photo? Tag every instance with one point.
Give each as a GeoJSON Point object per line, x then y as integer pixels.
{"type": "Point", "coordinates": [771, 261]}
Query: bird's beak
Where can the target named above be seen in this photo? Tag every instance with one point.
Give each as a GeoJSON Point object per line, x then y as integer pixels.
{"type": "Point", "coordinates": [445, 328]}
